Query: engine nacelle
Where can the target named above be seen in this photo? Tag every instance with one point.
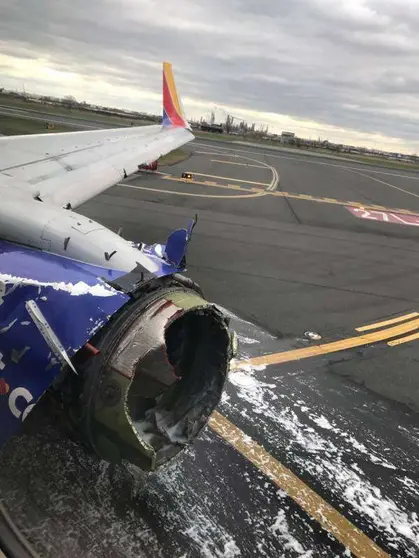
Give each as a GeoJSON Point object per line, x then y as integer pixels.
{"type": "Point", "coordinates": [67, 233]}
{"type": "Point", "coordinates": [141, 366]}
{"type": "Point", "coordinates": [159, 375]}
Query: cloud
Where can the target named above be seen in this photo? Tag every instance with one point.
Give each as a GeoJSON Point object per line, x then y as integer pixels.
{"type": "Point", "coordinates": [342, 69]}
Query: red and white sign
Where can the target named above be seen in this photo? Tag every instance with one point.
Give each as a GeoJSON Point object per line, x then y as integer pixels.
{"type": "Point", "coordinates": [385, 216]}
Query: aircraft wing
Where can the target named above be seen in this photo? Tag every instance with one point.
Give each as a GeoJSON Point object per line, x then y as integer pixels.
{"type": "Point", "coordinates": [73, 167]}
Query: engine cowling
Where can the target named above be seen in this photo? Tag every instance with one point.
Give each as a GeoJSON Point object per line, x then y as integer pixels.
{"type": "Point", "coordinates": [159, 374]}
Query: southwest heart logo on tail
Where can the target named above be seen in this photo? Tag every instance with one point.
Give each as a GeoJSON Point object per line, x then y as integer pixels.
{"type": "Point", "coordinates": [172, 107]}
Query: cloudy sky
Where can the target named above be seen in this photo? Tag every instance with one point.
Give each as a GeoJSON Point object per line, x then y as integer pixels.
{"type": "Point", "coordinates": [346, 70]}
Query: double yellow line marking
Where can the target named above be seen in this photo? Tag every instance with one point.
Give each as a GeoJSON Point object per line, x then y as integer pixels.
{"type": "Point", "coordinates": [230, 178]}
{"type": "Point", "coordinates": [210, 183]}
{"type": "Point", "coordinates": [391, 321]}
{"type": "Point", "coordinates": [401, 340]}
{"type": "Point", "coordinates": [290, 195]}
{"type": "Point", "coordinates": [370, 207]}
{"type": "Point", "coordinates": [359, 544]}
{"type": "Point", "coordinates": [344, 344]}
{"type": "Point", "coordinates": [328, 517]}
{"type": "Point", "coordinates": [256, 193]}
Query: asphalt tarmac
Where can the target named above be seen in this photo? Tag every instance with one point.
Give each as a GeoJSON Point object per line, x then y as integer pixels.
{"type": "Point", "coordinates": [51, 118]}
{"type": "Point", "coordinates": [314, 450]}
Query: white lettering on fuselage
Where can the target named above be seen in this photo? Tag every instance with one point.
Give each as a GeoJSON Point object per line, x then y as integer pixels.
{"type": "Point", "coordinates": [17, 393]}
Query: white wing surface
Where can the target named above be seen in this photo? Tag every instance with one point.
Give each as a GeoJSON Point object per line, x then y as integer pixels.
{"type": "Point", "coordinates": [73, 167]}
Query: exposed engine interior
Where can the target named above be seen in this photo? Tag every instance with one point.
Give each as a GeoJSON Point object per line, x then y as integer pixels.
{"type": "Point", "coordinates": [158, 375]}
{"type": "Point", "coordinates": [176, 386]}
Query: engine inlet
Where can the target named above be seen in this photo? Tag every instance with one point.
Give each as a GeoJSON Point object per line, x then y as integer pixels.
{"type": "Point", "coordinates": [160, 374]}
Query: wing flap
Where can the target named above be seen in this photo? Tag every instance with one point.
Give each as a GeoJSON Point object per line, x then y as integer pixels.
{"type": "Point", "coordinates": [76, 173]}
{"type": "Point", "coordinates": [75, 187]}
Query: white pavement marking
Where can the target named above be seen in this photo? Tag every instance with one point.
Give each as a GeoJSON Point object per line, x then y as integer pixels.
{"type": "Point", "coordinates": [384, 216]}
{"type": "Point", "coordinates": [386, 183]}
{"type": "Point", "coordinates": [275, 180]}
{"type": "Point", "coordinates": [272, 186]}
{"type": "Point", "coordinates": [208, 153]}
{"type": "Point", "coordinates": [238, 164]}
{"type": "Point", "coordinates": [305, 160]}
{"type": "Point", "coordinates": [275, 176]}
{"type": "Point", "coordinates": [144, 171]}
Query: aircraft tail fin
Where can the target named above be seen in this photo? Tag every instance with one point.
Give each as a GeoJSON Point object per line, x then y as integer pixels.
{"type": "Point", "coordinates": [173, 115]}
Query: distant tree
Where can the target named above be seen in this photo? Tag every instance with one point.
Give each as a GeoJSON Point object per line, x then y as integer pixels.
{"type": "Point", "coordinates": [229, 123]}
{"type": "Point", "coordinates": [69, 101]}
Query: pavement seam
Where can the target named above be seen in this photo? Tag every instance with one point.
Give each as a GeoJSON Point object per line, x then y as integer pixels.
{"type": "Point", "coordinates": [308, 284]}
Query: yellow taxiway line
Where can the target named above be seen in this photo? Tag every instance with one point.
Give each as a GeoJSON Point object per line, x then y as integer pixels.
{"type": "Point", "coordinates": [371, 207]}
{"type": "Point", "coordinates": [406, 339]}
{"type": "Point", "coordinates": [314, 505]}
{"type": "Point", "coordinates": [231, 178]}
{"type": "Point", "coordinates": [290, 195]}
{"type": "Point", "coordinates": [391, 321]}
{"type": "Point", "coordinates": [357, 542]}
{"type": "Point", "coordinates": [333, 347]}
{"type": "Point", "coordinates": [210, 183]}
{"type": "Point", "coordinates": [192, 194]}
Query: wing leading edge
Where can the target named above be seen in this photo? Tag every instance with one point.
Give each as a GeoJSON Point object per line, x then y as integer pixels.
{"type": "Point", "coordinates": [76, 166]}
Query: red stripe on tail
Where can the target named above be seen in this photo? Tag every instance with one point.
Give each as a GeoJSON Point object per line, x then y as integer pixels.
{"type": "Point", "coordinates": [169, 107]}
